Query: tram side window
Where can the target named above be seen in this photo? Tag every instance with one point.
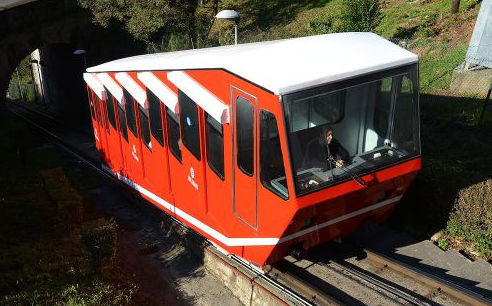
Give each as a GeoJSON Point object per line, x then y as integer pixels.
{"type": "Point", "coordinates": [383, 104]}
{"type": "Point", "coordinates": [130, 112]}
{"type": "Point", "coordinates": [173, 133]}
{"type": "Point", "coordinates": [110, 109]}
{"type": "Point", "coordinates": [155, 117]}
{"type": "Point", "coordinates": [122, 119]}
{"type": "Point", "coordinates": [144, 126]}
{"type": "Point", "coordinates": [189, 124]}
{"type": "Point", "coordinates": [405, 120]}
{"type": "Point", "coordinates": [272, 170]}
{"type": "Point", "coordinates": [215, 145]}
{"type": "Point", "coordinates": [245, 135]}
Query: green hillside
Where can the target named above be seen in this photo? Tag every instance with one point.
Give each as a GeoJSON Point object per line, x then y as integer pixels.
{"type": "Point", "coordinates": [424, 26]}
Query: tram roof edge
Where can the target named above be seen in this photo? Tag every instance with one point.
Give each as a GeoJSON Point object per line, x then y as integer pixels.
{"type": "Point", "coordinates": [281, 66]}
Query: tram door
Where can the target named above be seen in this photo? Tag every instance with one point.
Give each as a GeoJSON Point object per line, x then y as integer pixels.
{"type": "Point", "coordinates": [193, 171]}
{"type": "Point", "coordinates": [134, 160]}
{"type": "Point", "coordinates": [245, 135]}
{"type": "Point", "coordinates": [155, 156]}
{"type": "Point", "coordinates": [95, 124]}
{"type": "Point", "coordinates": [122, 127]}
{"type": "Point", "coordinates": [101, 134]}
{"type": "Point", "coordinates": [114, 145]}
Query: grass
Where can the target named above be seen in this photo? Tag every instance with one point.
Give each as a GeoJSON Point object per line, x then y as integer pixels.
{"type": "Point", "coordinates": [438, 61]}
{"type": "Point", "coordinates": [41, 259]}
{"type": "Point", "coordinates": [425, 25]}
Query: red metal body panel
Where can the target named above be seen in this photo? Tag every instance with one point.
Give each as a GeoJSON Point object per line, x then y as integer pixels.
{"type": "Point", "coordinates": [95, 124]}
{"type": "Point", "coordinates": [115, 161]}
{"type": "Point", "coordinates": [224, 210]}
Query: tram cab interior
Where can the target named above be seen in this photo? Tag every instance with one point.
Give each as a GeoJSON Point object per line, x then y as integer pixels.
{"type": "Point", "coordinates": [373, 117]}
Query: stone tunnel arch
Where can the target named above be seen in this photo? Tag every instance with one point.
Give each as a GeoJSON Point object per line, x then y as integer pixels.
{"type": "Point", "coordinates": [43, 23]}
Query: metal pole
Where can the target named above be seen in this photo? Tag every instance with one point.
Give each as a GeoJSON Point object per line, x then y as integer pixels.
{"type": "Point", "coordinates": [485, 103]}
{"type": "Point", "coordinates": [235, 33]}
{"type": "Point", "coordinates": [41, 83]}
{"type": "Point", "coordinates": [19, 83]}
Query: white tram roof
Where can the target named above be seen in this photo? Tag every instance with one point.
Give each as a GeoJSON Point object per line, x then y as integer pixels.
{"type": "Point", "coordinates": [281, 66]}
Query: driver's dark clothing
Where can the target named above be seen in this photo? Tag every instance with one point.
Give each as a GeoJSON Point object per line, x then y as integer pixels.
{"type": "Point", "coordinates": [317, 154]}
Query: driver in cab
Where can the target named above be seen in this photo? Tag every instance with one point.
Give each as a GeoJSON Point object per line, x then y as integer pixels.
{"type": "Point", "coordinates": [326, 152]}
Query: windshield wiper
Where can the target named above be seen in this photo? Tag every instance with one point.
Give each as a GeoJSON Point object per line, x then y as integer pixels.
{"type": "Point", "coordinates": [352, 175]}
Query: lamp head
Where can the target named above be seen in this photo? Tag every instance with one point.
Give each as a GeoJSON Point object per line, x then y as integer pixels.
{"type": "Point", "coordinates": [230, 15]}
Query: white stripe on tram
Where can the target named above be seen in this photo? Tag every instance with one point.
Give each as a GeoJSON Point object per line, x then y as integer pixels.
{"type": "Point", "coordinates": [340, 219]}
{"type": "Point", "coordinates": [243, 241]}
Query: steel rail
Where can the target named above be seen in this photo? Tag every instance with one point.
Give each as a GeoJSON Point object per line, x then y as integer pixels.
{"type": "Point", "coordinates": [50, 117]}
{"type": "Point", "coordinates": [385, 286]}
{"type": "Point", "coordinates": [296, 298]}
{"type": "Point", "coordinates": [316, 297]}
{"type": "Point", "coordinates": [459, 292]}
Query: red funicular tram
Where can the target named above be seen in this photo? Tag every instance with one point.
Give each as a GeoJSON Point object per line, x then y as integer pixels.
{"type": "Point", "coordinates": [264, 147]}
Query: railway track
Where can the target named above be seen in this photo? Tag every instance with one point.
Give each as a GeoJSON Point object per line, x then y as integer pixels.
{"type": "Point", "coordinates": [368, 278]}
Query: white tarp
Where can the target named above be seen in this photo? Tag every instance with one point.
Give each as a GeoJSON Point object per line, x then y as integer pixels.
{"type": "Point", "coordinates": [133, 88]}
{"type": "Point", "coordinates": [111, 86]}
{"type": "Point", "coordinates": [480, 48]}
{"type": "Point", "coordinates": [95, 85]}
{"type": "Point", "coordinates": [164, 93]}
{"type": "Point", "coordinates": [204, 98]}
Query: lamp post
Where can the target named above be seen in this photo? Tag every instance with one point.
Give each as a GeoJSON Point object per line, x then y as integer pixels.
{"type": "Point", "coordinates": [81, 52]}
{"type": "Point", "coordinates": [41, 79]}
{"type": "Point", "coordinates": [230, 15]}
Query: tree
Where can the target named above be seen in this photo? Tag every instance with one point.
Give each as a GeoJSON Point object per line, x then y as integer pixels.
{"type": "Point", "coordinates": [455, 6]}
{"type": "Point", "coordinates": [155, 20]}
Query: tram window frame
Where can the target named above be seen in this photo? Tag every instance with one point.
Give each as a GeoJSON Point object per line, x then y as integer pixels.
{"type": "Point", "coordinates": [269, 131]}
{"type": "Point", "coordinates": [91, 105]}
{"type": "Point", "coordinates": [122, 121]}
{"type": "Point", "coordinates": [144, 127]}
{"type": "Point", "coordinates": [215, 149]}
{"type": "Point", "coordinates": [110, 110]}
{"type": "Point", "coordinates": [381, 114]}
{"type": "Point", "coordinates": [189, 124]}
{"type": "Point", "coordinates": [245, 142]}
{"type": "Point", "coordinates": [104, 116]}
{"type": "Point", "coordinates": [131, 118]}
{"type": "Point", "coordinates": [155, 116]}
{"type": "Point", "coordinates": [98, 112]}
{"type": "Point", "coordinates": [173, 129]}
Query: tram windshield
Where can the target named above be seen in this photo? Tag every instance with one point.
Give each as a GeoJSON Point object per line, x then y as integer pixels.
{"type": "Point", "coordinates": [341, 131]}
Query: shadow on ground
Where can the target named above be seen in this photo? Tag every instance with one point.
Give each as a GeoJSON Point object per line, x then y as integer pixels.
{"type": "Point", "coordinates": [455, 155]}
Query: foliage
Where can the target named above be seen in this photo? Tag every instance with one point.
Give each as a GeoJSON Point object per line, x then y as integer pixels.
{"type": "Point", "coordinates": [471, 217]}
{"type": "Point", "coordinates": [156, 22]}
{"type": "Point", "coordinates": [360, 15]}
{"type": "Point", "coordinates": [99, 293]}
{"type": "Point", "coordinates": [68, 200]}
{"type": "Point", "coordinates": [40, 265]}
{"type": "Point", "coordinates": [99, 241]}
{"type": "Point", "coordinates": [22, 80]}
{"type": "Point", "coordinates": [443, 244]}
{"type": "Point", "coordinates": [322, 27]}
{"type": "Point", "coordinates": [356, 16]}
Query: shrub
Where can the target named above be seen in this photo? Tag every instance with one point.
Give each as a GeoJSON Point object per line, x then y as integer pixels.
{"type": "Point", "coordinates": [69, 202]}
{"type": "Point", "coordinates": [99, 241]}
{"type": "Point", "coordinates": [356, 16]}
{"type": "Point", "coordinates": [471, 217]}
{"type": "Point", "coordinates": [322, 27]}
{"type": "Point", "coordinates": [360, 15]}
